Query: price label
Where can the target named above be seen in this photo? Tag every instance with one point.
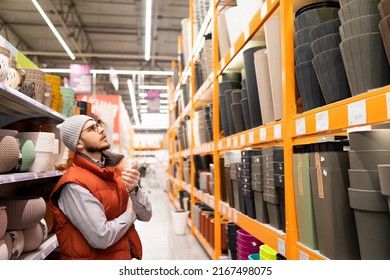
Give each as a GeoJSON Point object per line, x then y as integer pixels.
{"type": "Point", "coordinates": [303, 256]}
{"type": "Point", "coordinates": [357, 113]}
{"type": "Point", "coordinates": [246, 33]}
{"type": "Point", "coordinates": [235, 216]}
{"type": "Point", "coordinates": [388, 104]}
{"type": "Point", "coordinates": [278, 131]}
{"type": "Point", "coordinates": [251, 137]}
{"type": "Point", "coordinates": [229, 142]}
{"type": "Point", "coordinates": [263, 134]}
{"type": "Point", "coordinates": [224, 211]}
{"type": "Point", "coordinates": [232, 52]}
{"type": "Point", "coordinates": [322, 121]}
{"type": "Point", "coordinates": [235, 141]}
{"type": "Point", "coordinates": [219, 145]}
{"type": "Point", "coordinates": [212, 146]}
{"type": "Point", "coordinates": [281, 246]}
{"type": "Point", "coordinates": [242, 140]}
{"type": "Point", "coordinates": [300, 126]}
{"type": "Point", "coordinates": [230, 213]}
{"type": "Point", "coordinates": [222, 63]}
{"type": "Point", "coordinates": [211, 201]}
{"type": "Point", "coordinates": [264, 10]}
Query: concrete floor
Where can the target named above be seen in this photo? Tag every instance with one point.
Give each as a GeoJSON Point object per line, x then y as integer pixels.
{"type": "Point", "coordinates": [158, 237]}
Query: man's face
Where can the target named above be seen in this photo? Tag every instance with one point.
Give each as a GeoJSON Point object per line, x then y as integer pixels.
{"type": "Point", "coordinates": [94, 138]}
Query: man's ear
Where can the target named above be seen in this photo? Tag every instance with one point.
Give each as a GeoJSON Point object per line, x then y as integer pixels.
{"type": "Point", "coordinates": [79, 145]}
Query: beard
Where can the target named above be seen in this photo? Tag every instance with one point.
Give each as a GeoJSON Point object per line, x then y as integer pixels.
{"type": "Point", "coordinates": [94, 148]}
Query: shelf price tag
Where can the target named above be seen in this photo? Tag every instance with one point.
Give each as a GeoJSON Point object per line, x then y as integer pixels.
{"type": "Point", "coordinates": [229, 142]}
{"type": "Point", "coordinates": [251, 137]}
{"type": "Point", "coordinates": [220, 145]}
{"type": "Point", "coordinates": [235, 216]}
{"type": "Point", "coordinates": [242, 140]}
{"type": "Point", "coordinates": [211, 201]}
{"type": "Point", "coordinates": [264, 10]}
{"type": "Point", "coordinates": [224, 211]}
{"type": "Point", "coordinates": [322, 121]}
{"type": "Point", "coordinates": [388, 104]}
{"type": "Point", "coordinates": [222, 63]}
{"type": "Point", "coordinates": [303, 256]}
{"type": "Point", "coordinates": [357, 113]}
{"type": "Point", "coordinates": [230, 213]}
{"type": "Point", "coordinates": [281, 246]}
{"type": "Point", "coordinates": [246, 33]}
{"type": "Point", "coordinates": [300, 126]}
{"type": "Point", "coordinates": [263, 134]}
{"type": "Point", "coordinates": [235, 141]}
{"type": "Point", "coordinates": [278, 131]}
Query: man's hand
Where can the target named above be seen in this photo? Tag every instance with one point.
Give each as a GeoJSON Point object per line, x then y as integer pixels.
{"type": "Point", "coordinates": [130, 177]}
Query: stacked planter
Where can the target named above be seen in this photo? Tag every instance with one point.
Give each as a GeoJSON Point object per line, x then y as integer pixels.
{"type": "Point", "coordinates": [361, 46]}
{"type": "Point", "coordinates": [368, 150]}
{"type": "Point", "coordinates": [257, 187]}
{"type": "Point", "coordinates": [305, 20]}
{"type": "Point", "coordinates": [384, 25]}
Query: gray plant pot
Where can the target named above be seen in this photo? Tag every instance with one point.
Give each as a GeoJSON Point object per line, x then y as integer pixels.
{"type": "Point", "coordinates": [358, 8]}
{"type": "Point", "coordinates": [330, 71]}
{"type": "Point", "coordinates": [303, 53]}
{"type": "Point", "coordinates": [344, 2]}
{"type": "Point", "coordinates": [325, 28]}
{"type": "Point", "coordinates": [384, 8]}
{"type": "Point", "coordinates": [223, 115]}
{"type": "Point", "coordinates": [365, 62]}
{"type": "Point", "coordinates": [303, 36]}
{"type": "Point", "coordinates": [360, 25]}
{"type": "Point", "coordinates": [384, 178]}
{"type": "Point", "coordinates": [384, 29]}
{"type": "Point", "coordinates": [314, 17]}
{"type": "Point", "coordinates": [364, 179]}
{"type": "Point", "coordinates": [308, 86]}
{"type": "Point", "coordinates": [377, 139]}
{"type": "Point", "coordinates": [245, 111]}
{"type": "Point", "coordinates": [368, 159]}
{"type": "Point", "coordinates": [236, 96]}
{"type": "Point", "coordinates": [372, 223]}
{"type": "Point", "coordinates": [228, 103]}
{"type": "Point", "coordinates": [325, 43]}
{"type": "Point", "coordinates": [238, 117]}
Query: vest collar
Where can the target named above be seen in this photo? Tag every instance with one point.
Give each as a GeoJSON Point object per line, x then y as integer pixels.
{"type": "Point", "coordinates": [103, 168]}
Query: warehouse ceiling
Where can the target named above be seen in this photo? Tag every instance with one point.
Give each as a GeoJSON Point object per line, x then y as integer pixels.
{"type": "Point", "coordinates": [102, 33]}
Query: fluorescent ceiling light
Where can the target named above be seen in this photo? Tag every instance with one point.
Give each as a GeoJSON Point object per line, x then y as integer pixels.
{"type": "Point", "coordinates": [54, 30]}
{"type": "Point", "coordinates": [133, 102]}
{"type": "Point", "coordinates": [142, 94]}
{"type": "Point", "coordinates": [164, 101]}
{"type": "Point", "coordinates": [164, 107]}
{"type": "Point", "coordinates": [143, 110]}
{"type": "Point", "coordinates": [132, 72]}
{"type": "Point", "coordinates": [148, 29]}
{"type": "Point", "coordinates": [164, 95]}
{"type": "Point", "coordinates": [143, 101]}
{"type": "Point", "coordinates": [153, 87]}
{"type": "Point", "coordinates": [144, 107]}
{"type": "Point", "coordinates": [164, 111]}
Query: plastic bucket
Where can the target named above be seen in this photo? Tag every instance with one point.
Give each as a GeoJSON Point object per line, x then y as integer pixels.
{"type": "Point", "coordinates": [179, 219]}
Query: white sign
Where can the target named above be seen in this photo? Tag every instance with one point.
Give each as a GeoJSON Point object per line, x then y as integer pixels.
{"type": "Point", "coordinates": [357, 113]}
{"type": "Point", "coordinates": [264, 10]}
{"type": "Point", "coordinates": [242, 140]}
{"type": "Point", "coordinates": [235, 141]}
{"type": "Point", "coordinates": [263, 134]}
{"type": "Point", "coordinates": [388, 104]}
{"type": "Point", "coordinates": [303, 256]}
{"type": "Point", "coordinates": [278, 131]}
{"type": "Point", "coordinates": [300, 126]}
{"type": "Point", "coordinates": [251, 137]}
{"type": "Point", "coordinates": [322, 121]}
{"type": "Point", "coordinates": [281, 246]}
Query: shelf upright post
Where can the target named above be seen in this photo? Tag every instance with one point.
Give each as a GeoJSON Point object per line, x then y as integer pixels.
{"type": "Point", "coordinates": [192, 93]}
{"type": "Point", "coordinates": [288, 81]}
{"type": "Point", "coordinates": [216, 125]}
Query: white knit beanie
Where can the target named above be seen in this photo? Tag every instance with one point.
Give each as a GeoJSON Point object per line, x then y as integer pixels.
{"type": "Point", "coordinates": [70, 130]}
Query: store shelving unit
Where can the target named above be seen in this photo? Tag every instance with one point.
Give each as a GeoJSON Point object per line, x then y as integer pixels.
{"type": "Point", "coordinates": [294, 129]}
{"type": "Point", "coordinates": [15, 106]}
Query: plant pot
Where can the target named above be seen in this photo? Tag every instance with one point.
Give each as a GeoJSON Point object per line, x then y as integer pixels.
{"type": "Point", "coordinates": [264, 86]}
{"type": "Point", "coordinates": [365, 62]}
{"type": "Point", "coordinates": [364, 179]}
{"type": "Point", "coordinates": [384, 8]}
{"type": "Point", "coordinates": [316, 15]}
{"type": "Point", "coordinates": [238, 117]}
{"type": "Point", "coordinates": [359, 25]}
{"type": "Point", "coordinates": [273, 41]}
{"type": "Point", "coordinates": [325, 43]}
{"type": "Point", "coordinates": [253, 94]}
{"type": "Point", "coordinates": [228, 103]}
{"type": "Point", "coordinates": [368, 160]}
{"type": "Point", "coordinates": [376, 139]}
{"type": "Point", "coordinates": [245, 111]}
{"type": "Point", "coordinates": [303, 53]}
{"type": "Point", "coordinates": [303, 36]}
{"type": "Point", "coordinates": [331, 76]}
{"type": "Point", "coordinates": [325, 28]}
{"type": "Point", "coordinates": [358, 8]}
{"type": "Point", "coordinates": [384, 29]}
{"type": "Point", "coordinates": [308, 86]}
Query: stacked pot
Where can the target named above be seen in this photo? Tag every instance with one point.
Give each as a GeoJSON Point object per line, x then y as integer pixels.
{"type": "Point", "coordinates": [368, 150]}
{"type": "Point", "coordinates": [384, 25]}
{"type": "Point", "coordinates": [361, 46]}
{"type": "Point", "coordinates": [37, 78]}
{"type": "Point", "coordinates": [305, 20]}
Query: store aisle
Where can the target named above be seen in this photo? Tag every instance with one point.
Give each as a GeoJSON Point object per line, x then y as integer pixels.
{"type": "Point", "coordinates": [158, 237]}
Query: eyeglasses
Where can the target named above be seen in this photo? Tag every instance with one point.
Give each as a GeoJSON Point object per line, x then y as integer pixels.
{"type": "Point", "coordinates": [95, 127]}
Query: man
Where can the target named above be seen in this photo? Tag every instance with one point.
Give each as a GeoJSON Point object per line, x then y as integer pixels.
{"type": "Point", "coordinates": [96, 201]}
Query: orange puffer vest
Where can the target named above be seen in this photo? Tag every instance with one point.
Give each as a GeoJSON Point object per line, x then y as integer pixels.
{"type": "Point", "coordinates": [106, 185]}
